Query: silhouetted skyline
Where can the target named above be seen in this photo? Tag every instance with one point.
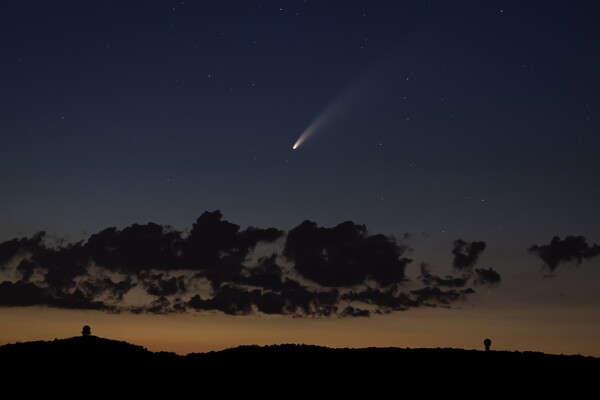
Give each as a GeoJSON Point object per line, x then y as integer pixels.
{"type": "Point", "coordinates": [83, 359]}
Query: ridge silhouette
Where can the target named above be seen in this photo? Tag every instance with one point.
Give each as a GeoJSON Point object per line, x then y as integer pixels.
{"type": "Point", "coordinates": [85, 358]}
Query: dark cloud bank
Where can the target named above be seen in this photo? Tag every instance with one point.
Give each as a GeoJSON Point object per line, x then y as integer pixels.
{"type": "Point", "coordinates": [342, 271]}
{"type": "Point", "coordinates": [571, 249]}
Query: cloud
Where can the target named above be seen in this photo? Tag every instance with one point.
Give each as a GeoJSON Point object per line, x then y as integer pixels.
{"type": "Point", "coordinates": [136, 248]}
{"type": "Point", "coordinates": [162, 285]}
{"type": "Point", "coordinates": [301, 300]}
{"type": "Point", "coordinates": [11, 248]}
{"type": "Point", "coordinates": [99, 287]}
{"type": "Point", "coordinates": [389, 299]}
{"type": "Point", "coordinates": [466, 254]}
{"type": "Point", "coordinates": [433, 296]}
{"type": "Point", "coordinates": [213, 242]}
{"type": "Point", "coordinates": [218, 248]}
{"type": "Point", "coordinates": [145, 254]}
{"type": "Point", "coordinates": [342, 271]}
{"type": "Point", "coordinates": [392, 299]}
{"type": "Point", "coordinates": [430, 279]}
{"type": "Point", "coordinates": [487, 276]}
{"type": "Point", "coordinates": [161, 305]}
{"type": "Point", "coordinates": [26, 269]}
{"type": "Point", "coordinates": [214, 246]}
{"type": "Point", "coordinates": [23, 294]}
{"type": "Point", "coordinates": [570, 249]}
{"type": "Point", "coordinates": [62, 264]}
{"type": "Point", "coordinates": [354, 312]}
{"type": "Point", "coordinates": [228, 299]}
{"type": "Point", "coordinates": [266, 274]}
{"type": "Point", "coordinates": [345, 255]}
{"type": "Point", "coordinates": [271, 303]}
{"type": "Point", "coordinates": [292, 298]}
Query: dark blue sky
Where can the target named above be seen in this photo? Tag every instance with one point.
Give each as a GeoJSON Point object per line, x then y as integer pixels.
{"type": "Point", "coordinates": [476, 120]}
{"type": "Point", "coordinates": [117, 112]}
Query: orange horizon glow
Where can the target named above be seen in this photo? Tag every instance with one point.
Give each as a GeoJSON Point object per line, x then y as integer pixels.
{"type": "Point", "coordinates": [199, 333]}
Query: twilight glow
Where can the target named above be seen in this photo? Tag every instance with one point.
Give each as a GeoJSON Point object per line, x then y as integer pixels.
{"type": "Point", "coordinates": [449, 196]}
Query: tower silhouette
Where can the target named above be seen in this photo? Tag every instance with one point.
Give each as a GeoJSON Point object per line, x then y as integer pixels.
{"type": "Point", "coordinates": [487, 343]}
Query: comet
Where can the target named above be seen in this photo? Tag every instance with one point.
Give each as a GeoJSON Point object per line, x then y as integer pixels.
{"type": "Point", "coordinates": [362, 91]}
{"type": "Point", "coordinates": [378, 80]}
{"type": "Point", "coordinates": [333, 110]}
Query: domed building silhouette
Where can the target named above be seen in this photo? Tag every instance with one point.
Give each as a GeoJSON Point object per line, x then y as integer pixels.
{"type": "Point", "coordinates": [86, 331]}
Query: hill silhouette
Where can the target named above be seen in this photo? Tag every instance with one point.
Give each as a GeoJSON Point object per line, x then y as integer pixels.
{"type": "Point", "coordinates": [93, 359]}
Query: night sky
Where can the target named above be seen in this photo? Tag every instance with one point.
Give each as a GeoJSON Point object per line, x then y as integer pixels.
{"type": "Point", "coordinates": [448, 191]}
